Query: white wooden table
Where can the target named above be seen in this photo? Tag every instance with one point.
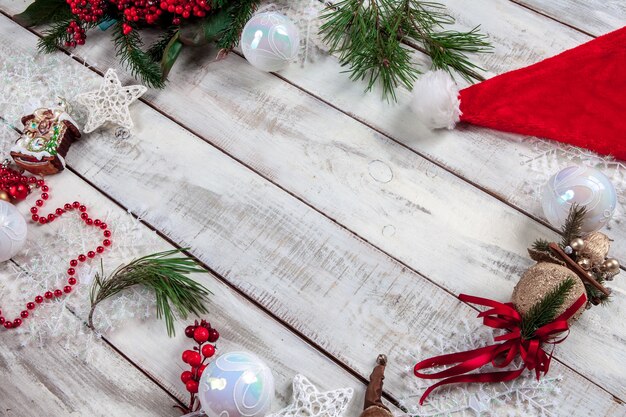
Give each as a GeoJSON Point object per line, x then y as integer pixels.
{"type": "Point", "coordinates": [332, 227]}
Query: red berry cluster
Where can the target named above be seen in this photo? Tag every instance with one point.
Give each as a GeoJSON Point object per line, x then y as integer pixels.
{"type": "Point", "coordinates": [87, 10]}
{"type": "Point", "coordinates": [202, 333]}
{"type": "Point", "coordinates": [138, 11]}
{"type": "Point", "coordinates": [185, 8]}
{"type": "Point", "coordinates": [76, 34]}
{"type": "Point", "coordinates": [8, 177]}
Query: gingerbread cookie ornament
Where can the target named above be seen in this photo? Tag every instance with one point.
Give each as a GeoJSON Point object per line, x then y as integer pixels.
{"type": "Point", "coordinates": [47, 136]}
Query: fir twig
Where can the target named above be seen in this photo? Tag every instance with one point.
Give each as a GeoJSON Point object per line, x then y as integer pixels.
{"type": "Point", "coordinates": [240, 12]}
{"type": "Point", "coordinates": [544, 311]}
{"type": "Point", "coordinates": [128, 49]}
{"type": "Point", "coordinates": [54, 37]}
{"type": "Point", "coordinates": [369, 35]}
{"type": "Point", "coordinates": [541, 245]}
{"type": "Point", "coordinates": [165, 275]}
{"type": "Point", "coordinates": [572, 228]}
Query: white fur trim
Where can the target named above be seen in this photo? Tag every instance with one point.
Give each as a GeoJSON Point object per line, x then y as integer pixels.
{"type": "Point", "coordinates": [435, 100]}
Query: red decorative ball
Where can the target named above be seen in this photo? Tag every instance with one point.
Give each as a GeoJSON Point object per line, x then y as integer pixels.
{"type": "Point", "coordinates": [213, 335]}
{"type": "Point", "coordinates": [100, 249]}
{"type": "Point", "coordinates": [34, 210]}
{"type": "Point", "coordinates": [82, 258]}
{"type": "Point", "coordinates": [71, 281]}
{"type": "Point", "coordinates": [208, 350]}
{"type": "Point", "coordinates": [106, 242]}
{"type": "Point", "coordinates": [17, 322]}
{"type": "Point", "coordinates": [191, 386]}
{"type": "Point", "coordinates": [39, 299]}
{"type": "Point", "coordinates": [107, 233]}
{"type": "Point", "coordinates": [194, 359]}
{"type": "Point", "coordinates": [67, 289]}
{"type": "Point", "coordinates": [67, 207]}
{"type": "Point", "coordinates": [189, 331]}
{"type": "Point", "coordinates": [71, 271]}
{"type": "Point", "coordinates": [24, 314]}
{"type": "Point", "coordinates": [48, 295]}
{"type": "Point", "coordinates": [186, 376]}
{"type": "Point", "coordinates": [76, 204]}
{"type": "Point", "coordinates": [59, 211]}
{"type": "Point", "coordinates": [73, 262]}
{"type": "Point", "coordinates": [8, 324]}
{"type": "Point", "coordinates": [201, 335]}
{"type": "Point", "coordinates": [82, 208]}
{"type": "Point", "coordinates": [91, 254]}
{"type": "Point", "coordinates": [58, 293]}
{"type": "Point", "coordinates": [35, 217]}
{"type": "Point", "coordinates": [30, 305]}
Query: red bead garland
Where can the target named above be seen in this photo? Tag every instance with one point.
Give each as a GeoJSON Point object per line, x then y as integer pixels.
{"type": "Point", "coordinates": [18, 186]}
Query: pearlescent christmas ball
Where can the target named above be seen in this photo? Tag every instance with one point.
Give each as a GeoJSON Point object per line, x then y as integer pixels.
{"type": "Point", "coordinates": [12, 231]}
{"type": "Point", "coordinates": [269, 41]}
{"type": "Point", "coordinates": [236, 384]}
{"type": "Point", "coordinates": [584, 186]}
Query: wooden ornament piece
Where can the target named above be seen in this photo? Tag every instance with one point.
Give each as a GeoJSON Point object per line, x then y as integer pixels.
{"type": "Point", "coordinates": [47, 136]}
{"type": "Point", "coordinates": [539, 280]}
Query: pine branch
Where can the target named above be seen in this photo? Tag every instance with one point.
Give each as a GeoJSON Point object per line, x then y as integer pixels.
{"type": "Point", "coordinates": [165, 275]}
{"type": "Point", "coordinates": [54, 37]}
{"type": "Point", "coordinates": [368, 37]}
{"type": "Point", "coordinates": [544, 311]}
{"type": "Point", "coordinates": [239, 12]}
{"type": "Point", "coordinates": [128, 50]}
{"type": "Point", "coordinates": [541, 245]}
{"type": "Point", "coordinates": [572, 228]}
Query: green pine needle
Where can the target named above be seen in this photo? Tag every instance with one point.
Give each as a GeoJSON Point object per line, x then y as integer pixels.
{"type": "Point", "coordinates": [572, 228]}
{"type": "Point", "coordinates": [165, 275]}
{"type": "Point", "coordinates": [369, 38]}
{"type": "Point", "coordinates": [54, 37]}
{"type": "Point", "coordinates": [142, 66]}
{"type": "Point", "coordinates": [155, 52]}
{"type": "Point", "coordinates": [541, 245]}
{"type": "Point", "coordinates": [544, 311]}
{"type": "Point", "coordinates": [240, 12]}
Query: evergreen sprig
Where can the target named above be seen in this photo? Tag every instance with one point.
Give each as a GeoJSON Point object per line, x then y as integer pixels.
{"type": "Point", "coordinates": [155, 52]}
{"type": "Point", "coordinates": [166, 276]}
{"type": "Point", "coordinates": [369, 37]}
{"type": "Point", "coordinates": [240, 12]}
{"type": "Point", "coordinates": [572, 228]}
{"type": "Point", "coordinates": [541, 245]}
{"type": "Point", "coordinates": [544, 311]}
{"type": "Point", "coordinates": [54, 37]}
{"type": "Point", "coordinates": [129, 50]}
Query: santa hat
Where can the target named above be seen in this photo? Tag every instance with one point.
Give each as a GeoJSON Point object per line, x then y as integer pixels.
{"type": "Point", "coordinates": [577, 97]}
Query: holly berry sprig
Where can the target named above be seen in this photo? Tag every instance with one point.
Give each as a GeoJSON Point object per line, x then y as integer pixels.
{"type": "Point", "coordinates": [197, 358]}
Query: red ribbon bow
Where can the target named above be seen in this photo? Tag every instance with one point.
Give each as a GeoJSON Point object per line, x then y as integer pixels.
{"type": "Point", "coordinates": [500, 316]}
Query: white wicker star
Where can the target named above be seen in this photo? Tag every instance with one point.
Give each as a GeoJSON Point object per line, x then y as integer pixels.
{"type": "Point", "coordinates": [308, 401]}
{"type": "Point", "coordinates": [110, 103]}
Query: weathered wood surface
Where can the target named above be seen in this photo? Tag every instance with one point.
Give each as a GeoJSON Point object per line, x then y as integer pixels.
{"type": "Point", "coordinates": [595, 17]}
{"type": "Point", "coordinates": [285, 255]}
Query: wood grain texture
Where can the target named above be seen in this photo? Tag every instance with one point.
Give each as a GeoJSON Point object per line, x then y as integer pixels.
{"type": "Point", "coordinates": [288, 257]}
{"type": "Point", "coordinates": [595, 17]}
{"type": "Point", "coordinates": [54, 382]}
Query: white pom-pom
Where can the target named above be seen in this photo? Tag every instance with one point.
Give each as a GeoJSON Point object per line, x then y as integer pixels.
{"type": "Point", "coordinates": [436, 100]}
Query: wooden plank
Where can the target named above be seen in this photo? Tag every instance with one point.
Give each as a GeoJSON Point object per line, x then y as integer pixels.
{"type": "Point", "coordinates": [242, 326]}
{"type": "Point", "coordinates": [595, 17]}
{"type": "Point", "coordinates": [318, 251]}
{"type": "Point", "coordinates": [52, 381]}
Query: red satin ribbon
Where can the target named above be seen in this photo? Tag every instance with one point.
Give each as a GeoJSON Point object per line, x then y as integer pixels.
{"type": "Point", "coordinates": [499, 316]}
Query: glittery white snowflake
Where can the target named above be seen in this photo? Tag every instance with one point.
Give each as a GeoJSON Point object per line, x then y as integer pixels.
{"type": "Point", "coordinates": [524, 396]}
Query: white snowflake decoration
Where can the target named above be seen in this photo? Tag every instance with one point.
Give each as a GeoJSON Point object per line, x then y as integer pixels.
{"type": "Point", "coordinates": [309, 401]}
{"type": "Point", "coordinates": [110, 103]}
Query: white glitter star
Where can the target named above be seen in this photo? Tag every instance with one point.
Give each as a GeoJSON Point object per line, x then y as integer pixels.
{"type": "Point", "coordinates": [110, 103]}
{"type": "Point", "coordinates": [308, 401]}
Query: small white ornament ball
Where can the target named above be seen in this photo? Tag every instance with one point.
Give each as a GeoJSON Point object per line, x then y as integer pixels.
{"type": "Point", "coordinates": [270, 41]}
{"type": "Point", "coordinates": [12, 231]}
{"type": "Point", "coordinates": [583, 186]}
{"type": "Point", "coordinates": [236, 384]}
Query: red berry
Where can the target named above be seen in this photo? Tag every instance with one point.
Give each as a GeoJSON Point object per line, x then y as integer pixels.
{"type": "Point", "coordinates": [208, 350]}
{"type": "Point", "coordinates": [213, 335]}
{"type": "Point", "coordinates": [189, 331]}
{"type": "Point", "coordinates": [200, 371]}
{"type": "Point", "coordinates": [201, 334]}
{"type": "Point", "coordinates": [186, 376]}
{"type": "Point", "coordinates": [186, 355]}
{"type": "Point", "coordinates": [194, 359]}
{"type": "Point", "coordinates": [192, 386]}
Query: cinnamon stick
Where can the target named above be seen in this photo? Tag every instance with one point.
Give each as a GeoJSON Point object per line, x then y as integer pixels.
{"type": "Point", "coordinates": [577, 268]}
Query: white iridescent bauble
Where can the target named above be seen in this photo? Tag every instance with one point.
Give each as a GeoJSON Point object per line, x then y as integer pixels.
{"type": "Point", "coordinates": [12, 231]}
{"type": "Point", "coordinates": [583, 186]}
{"type": "Point", "coordinates": [236, 384]}
{"type": "Point", "coordinates": [270, 41]}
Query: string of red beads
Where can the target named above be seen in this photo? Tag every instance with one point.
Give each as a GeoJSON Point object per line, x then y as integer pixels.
{"type": "Point", "coordinates": [10, 178]}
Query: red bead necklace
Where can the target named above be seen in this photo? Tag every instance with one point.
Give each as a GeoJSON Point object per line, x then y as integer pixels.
{"type": "Point", "coordinates": [18, 186]}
